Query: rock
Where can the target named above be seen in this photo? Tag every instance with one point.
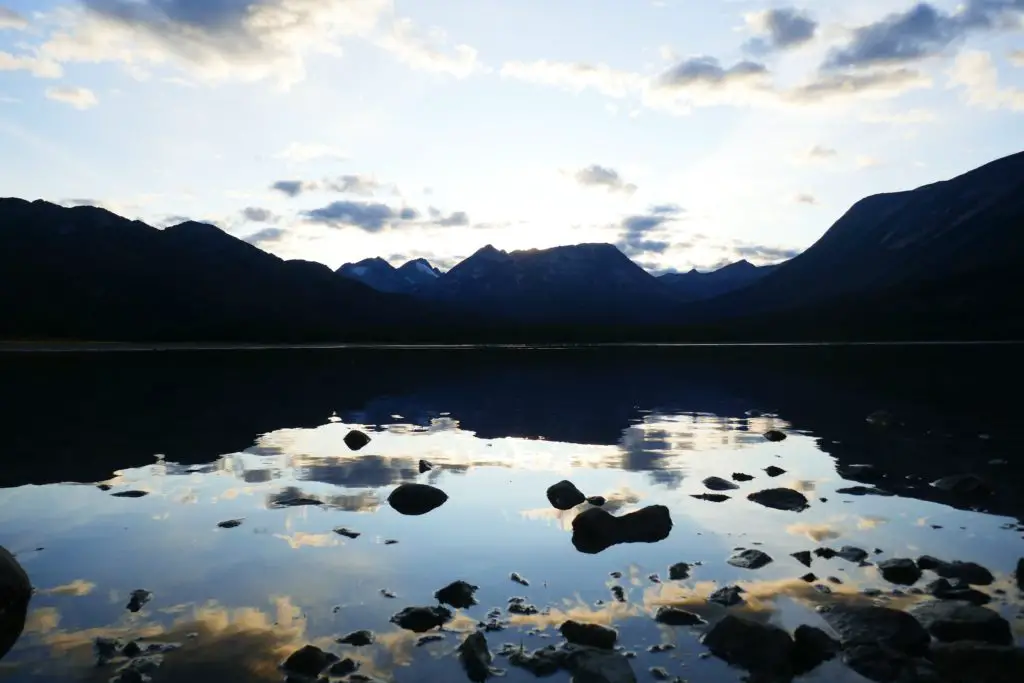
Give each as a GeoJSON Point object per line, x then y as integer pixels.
{"type": "Point", "coordinates": [944, 589]}
{"type": "Point", "coordinates": [458, 594]}
{"type": "Point", "coordinates": [517, 577]}
{"type": "Point", "coordinates": [130, 494]}
{"type": "Point", "coordinates": [774, 435]}
{"type": "Point", "coordinates": [811, 648]}
{"type": "Point", "coordinates": [387, 594]}
{"type": "Point", "coordinates": [809, 577]}
{"type": "Point", "coordinates": [343, 667]}
{"type": "Point", "coordinates": [880, 418]}
{"type": "Point", "coordinates": [390, 541]}
{"type": "Point", "coordinates": [104, 487]}
{"type": "Point", "coordinates": [803, 557]}
{"type": "Point", "coordinates": [291, 498]}
{"type": "Point", "coordinates": [564, 495]}
{"type": "Point", "coordinates": [862, 471]}
{"type": "Point", "coordinates": [597, 501]}
{"type": "Point", "coordinates": [589, 635]}
{"type": "Point", "coordinates": [541, 663]}
{"type": "Point", "coordinates": [863, 491]}
{"type": "Point", "coordinates": [659, 673]}
{"type": "Point", "coordinates": [425, 466]}
{"type": "Point", "coordinates": [1019, 574]}
{"type": "Point", "coordinates": [358, 638]}
{"type": "Point", "coordinates": [719, 484]}
{"type": "Point", "coordinates": [618, 593]}
{"type": "Point", "coordinates": [347, 533]}
{"type": "Point", "coordinates": [475, 657]}
{"type": "Point", "coordinates": [429, 638]}
{"type": "Point", "coordinates": [965, 485]}
{"type": "Point", "coordinates": [229, 524]}
{"type": "Point", "coordinates": [780, 499]}
{"type": "Point", "coordinates": [852, 554]}
{"type": "Point", "coordinates": [727, 596]}
{"type": "Point", "coordinates": [421, 619]}
{"type": "Point", "coordinates": [661, 647]}
{"type": "Point", "coordinates": [523, 608]}
{"type": "Point", "coordinates": [968, 662]}
{"type": "Point", "coordinates": [137, 599]}
{"type": "Point", "coordinates": [750, 559]}
{"type": "Point", "coordinates": [710, 497]}
{"type": "Point", "coordinates": [888, 666]}
{"type": "Point", "coordinates": [950, 620]}
{"type": "Point", "coordinates": [679, 571]}
{"type": "Point", "coordinates": [825, 553]}
{"type": "Point", "coordinates": [593, 665]}
{"type": "Point", "coordinates": [877, 627]}
{"type": "Point", "coordinates": [673, 616]}
{"type": "Point", "coordinates": [595, 529]}
{"type": "Point", "coordinates": [968, 572]}
{"type": "Point", "coordinates": [901, 571]}
{"type": "Point", "coordinates": [416, 499]}
{"type": "Point", "coordinates": [766, 651]}
{"type": "Point", "coordinates": [740, 476]}
{"type": "Point", "coordinates": [308, 661]}
{"type": "Point", "coordinates": [356, 439]}
{"type": "Point", "coordinates": [15, 594]}
{"type": "Point", "coordinates": [773, 471]}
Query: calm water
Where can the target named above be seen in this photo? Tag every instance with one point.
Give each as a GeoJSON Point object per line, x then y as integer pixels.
{"type": "Point", "coordinates": [216, 436]}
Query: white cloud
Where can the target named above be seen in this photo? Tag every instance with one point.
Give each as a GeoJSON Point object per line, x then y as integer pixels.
{"type": "Point", "coordinates": [79, 98]}
{"type": "Point", "coordinates": [9, 19]}
{"type": "Point", "coordinates": [40, 68]}
{"type": "Point", "coordinates": [303, 152]}
{"type": "Point", "coordinates": [907, 117]}
{"type": "Point", "coordinates": [805, 198]}
{"type": "Point", "coordinates": [975, 73]}
{"type": "Point", "coordinates": [575, 76]}
{"type": "Point", "coordinates": [1017, 57]}
{"type": "Point", "coordinates": [866, 161]}
{"type": "Point", "coordinates": [417, 50]}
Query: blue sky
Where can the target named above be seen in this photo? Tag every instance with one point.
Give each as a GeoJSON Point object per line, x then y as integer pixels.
{"type": "Point", "coordinates": [690, 132]}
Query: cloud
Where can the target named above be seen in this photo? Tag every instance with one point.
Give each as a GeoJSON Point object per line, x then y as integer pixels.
{"type": "Point", "coordinates": [602, 176]}
{"type": "Point", "coordinates": [780, 29]}
{"type": "Point", "coordinates": [38, 67]}
{"type": "Point", "coordinates": [921, 31]}
{"type": "Point", "coordinates": [213, 40]}
{"type": "Point", "coordinates": [303, 152]}
{"type": "Point", "coordinates": [642, 234]}
{"type": "Point", "coordinates": [888, 83]}
{"type": "Point", "coordinates": [1016, 57]}
{"type": "Point", "coordinates": [575, 76]}
{"type": "Point", "coordinates": [818, 154]}
{"type": "Point", "coordinates": [975, 73]}
{"type": "Point", "coordinates": [9, 19]}
{"type": "Point", "coordinates": [77, 588]}
{"type": "Point", "coordinates": [760, 254]}
{"type": "Point", "coordinates": [79, 98]}
{"type": "Point", "coordinates": [866, 161]}
{"type": "Point", "coordinates": [371, 217]}
{"type": "Point", "coordinates": [805, 198]}
{"type": "Point", "coordinates": [258, 214]}
{"type": "Point", "coordinates": [454, 219]}
{"type": "Point", "coordinates": [344, 184]}
{"type": "Point", "coordinates": [292, 188]}
{"type": "Point", "coordinates": [906, 117]}
{"type": "Point", "coordinates": [708, 72]}
{"type": "Point", "coordinates": [417, 51]}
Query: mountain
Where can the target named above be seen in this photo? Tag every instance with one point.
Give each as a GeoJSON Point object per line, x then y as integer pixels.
{"type": "Point", "coordinates": [695, 285]}
{"type": "Point", "coordinates": [902, 242]}
{"type": "Point", "coordinates": [85, 273]}
{"type": "Point", "coordinates": [382, 276]}
{"type": "Point", "coordinates": [581, 284]}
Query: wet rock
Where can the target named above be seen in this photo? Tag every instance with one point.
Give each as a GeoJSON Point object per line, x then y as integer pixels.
{"type": "Point", "coordinates": [774, 435]}
{"type": "Point", "coordinates": [421, 619]}
{"type": "Point", "coordinates": [343, 667]}
{"type": "Point", "coordinates": [132, 649]}
{"type": "Point", "coordinates": [390, 541]}
{"type": "Point", "coordinates": [425, 466]}
{"type": "Point", "coordinates": [458, 594]}
{"type": "Point", "coordinates": [862, 471]}
{"type": "Point", "coordinates": [615, 574]}
{"type": "Point", "coordinates": [877, 627]}
{"type": "Point", "coordinates": [661, 647]}
{"type": "Point", "coordinates": [969, 662]}
{"type": "Point", "coordinates": [521, 607]}
{"type": "Point", "coordinates": [229, 523]}
{"type": "Point", "coordinates": [863, 491]}
{"type": "Point", "coordinates": [710, 497]}
{"type": "Point", "coordinates": [901, 571]}
{"type": "Point", "coordinates": [104, 487]}
{"type": "Point", "coordinates": [518, 578]}
{"type": "Point", "coordinates": [852, 554]}
{"type": "Point", "coordinates": [356, 439]}
{"type": "Point", "coordinates": [888, 666]}
{"type": "Point", "coordinates": [618, 593]}
{"type": "Point", "coordinates": [308, 661]}
{"type": "Point", "coordinates": [727, 596]}
{"type": "Point", "coordinates": [780, 499]}
{"type": "Point", "coordinates": [659, 673]}
{"type": "Point", "coordinates": [130, 494]}
{"type": "Point", "coordinates": [766, 651]}
{"type": "Point", "coordinates": [968, 572]}
{"type": "Point", "coordinates": [358, 638]}
{"type": "Point", "coordinates": [1019, 574]}
{"type": "Point", "coordinates": [965, 485]}
{"type": "Point", "coordinates": [750, 559]}
{"type": "Point", "coordinates": [347, 533]}
{"type": "Point", "coordinates": [811, 648]}
{"type": "Point", "coordinates": [564, 495]}
{"type": "Point", "coordinates": [673, 616]}
{"type": "Point", "coordinates": [951, 620]}
{"type": "Point", "coordinates": [105, 649]}
{"type": "Point", "coordinates": [773, 471]}
{"type": "Point", "coordinates": [387, 594]}
{"type": "Point", "coordinates": [654, 578]}
{"type": "Point", "coordinates": [589, 635]}
{"type": "Point", "coordinates": [597, 501]}
{"type": "Point", "coordinates": [719, 484]}
{"type": "Point", "coordinates": [541, 663]}
{"type": "Point", "coordinates": [809, 577]}
{"type": "Point", "coordinates": [679, 571]}
{"type": "Point", "coordinates": [475, 657]}
{"type": "Point", "coordinates": [593, 665]}
{"type": "Point", "coordinates": [803, 557]}
{"type": "Point", "coordinates": [137, 598]}
{"type": "Point", "coordinates": [595, 529]}
{"type": "Point", "coordinates": [416, 499]}
{"type": "Point", "coordinates": [740, 476]}
{"type": "Point", "coordinates": [15, 593]}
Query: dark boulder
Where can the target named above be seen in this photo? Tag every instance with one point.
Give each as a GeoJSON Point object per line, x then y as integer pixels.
{"type": "Point", "coordinates": [972, 662]}
{"type": "Point", "coordinates": [358, 638]}
{"type": "Point", "coordinates": [589, 635]}
{"type": "Point", "coordinates": [421, 619]}
{"type": "Point", "coordinates": [596, 529]}
{"type": "Point", "coordinates": [308, 661]}
{"type": "Point", "coordinates": [727, 596]}
{"type": "Point", "coordinates": [458, 594]}
{"type": "Point", "coordinates": [968, 572]}
{"type": "Point", "coordinates": [944, 589]}
{"type": "Point", "coordinates": [900, 571]}
{"type": "Point", "coordinates": [773, 471]}
{"type": "Point", "coordinates": [425, 466]}
{"type": "Point", "coordinates": [952, 620]}
{"type": "Point", "coordinates": [811, 648]}
{"type": "Point", "coordinates": [679, 571]}
{"type": "Point", "coordinates": [719, 484]}
{"type": "Point", "coordinates": [597, 501]}
{"type": "Point", "coordinates": [15, 593]}
{"type": "Point", "coordinates": [774, 435]}
{"type": "Point", "coordinates": [750, 559]}
{"type": "Point", "coordinates": [765, 650]}
{"type": "Point", "coordinates": [673, 616]}
{"type": "Point", "coordinates": [780, 499]}
{"type": "Point", "coordinates": [564, 495]}
{"type": "Point", "coordinates": [740, 476]}
{"type": "Point", "coordinates": [416, 499]}
{"type": "Point", "coordinates": [803, 557]}
{"type": "Point", "coordinates": [356, 439]}
{"type": "Point", "coordinates": [475, 657]}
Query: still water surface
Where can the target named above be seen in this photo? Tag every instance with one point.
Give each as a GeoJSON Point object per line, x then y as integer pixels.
{"type": "Point", "coordinates": [216, 436]}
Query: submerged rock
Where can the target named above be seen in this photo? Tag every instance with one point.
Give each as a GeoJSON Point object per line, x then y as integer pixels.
{"type": "Point", "coordinates": [595, 529]}
{"type": "Point", "coordinates": [343, 667]}
{"type": "Point", "coordinates": [356, 439]}
{"type": "Point", "coordinates": [944, 589]}
{"type": "Point", "coordinates": [863, 491]}
{"type": "Point", "coordinates": [780, 499]}
{"type": "Point", "coordinates": [458, 594]}
{"type": "Point", "coordinates": [358, 638]}
{"type": "Point", "coordinates": [421, 619]}
{"type": "Point", "coordinates": [740, 476]}
{"type": "Point", "coordinates": [879, 627]}
{"type": "Point", "coordinates": [475, 657]}
{"type": "Point", "coordinates": [968, 572]}
{"type": "Point", "coordinates": [673, 616]}
{"type": "Point", "coordinates": [766, 651]}
{"type": "Point", "coordinates": [901, 571]}
{"type": "Point", "coordinates": [727, 596]}
{"type": "Point", "coordinates": [774, 435]}
{"type": "Point", "coordinates": [679, 571]}
{"type": "Point", "coordinates": [852, 554]}
{"type": "Point", "coordinates": [429, 638]}
{"type": "Point", "coordinates": [811, 648]}
{"type": "Point", "coordinates": [719, 484]}
{"type": "Point", "coordinates": [137, 599]}
{"type": "Point", "coordinates": [416, 499]}
{"type": "Point", "coordinates": [803, 557]}
{"type": "Point", "coordinates": [541, 663]}
{"type": "Point", "coordinates": [589, 635]}
{"type": "Point", "coordinates": [750, 559]}
{"type": "Point", "coordinates": [308, 661]}
{"type": "Point", "coordinates": [594, 665]}
{"type": "Point", "coordinates": [951, 620]}
{"type": "Point", "coordinates": [880, 418]}
{"type": "Point", "coordinates": [564, 495]}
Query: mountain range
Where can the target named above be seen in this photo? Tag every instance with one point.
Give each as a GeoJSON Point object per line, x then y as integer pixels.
{"type": "Point", "coordinates": [939, 261]}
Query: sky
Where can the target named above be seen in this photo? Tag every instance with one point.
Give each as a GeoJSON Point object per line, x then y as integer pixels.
{"type": "Point", "coordinates": [690, 133]}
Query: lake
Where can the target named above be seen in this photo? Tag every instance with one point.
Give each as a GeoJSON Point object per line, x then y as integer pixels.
{"type": "Point", "coordinates": [256, 439]}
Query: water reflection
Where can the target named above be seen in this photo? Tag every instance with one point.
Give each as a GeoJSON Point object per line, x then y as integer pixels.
{"type": "Point", "coordinates": [258, 439]}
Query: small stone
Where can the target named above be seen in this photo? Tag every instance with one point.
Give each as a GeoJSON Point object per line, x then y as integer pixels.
{"type": "Point", "coordinates": [458, 594]}
{"type": "Point", "coordinates": [308, 661]}
{"type": "Point", "coordinates": [661, 647]}
{"type": "Point", "coordinates": [654, 578]}
{"type": "Point", "coordinates": [130, 494]}
{"type": "Point", "coordinates": [774, 435]}
{"type": "Point", "coordinates": [343, 667]}
{"type": "Point", "coordinates": [901, 571]}
{"type": "Point", "coordinates": [809, 577]}
{"type": "Point", "coordinates": [589, 635]}
{"type": "Point", "coordinates": [137, 599]}
{"type": "Point", "coordinates": [518, 578]}
{"type": "Point", "coordinates": [773, 471]}
{"type": "Point", "coordinates": [597, 501]}
{"type": "Point", "coordinates": [679, 571]}
{"type": "Point", "coordinates": [387, 594]}
{"type": "Point", "coordinates": [727, 596]}
{"type": "Point", "coordinates": [710, 497]}
{"type": "Point", "coordinates": [741, 476]}
{"type": "Point", "coordinates": [803, 557]}
{"type": "Point", "coordinates": [618, 593]}
{"type": "Point", "coordinates": [852, 554]}
{"type": "Point", "coordinates": [429, 638]}
{"type": "Point", "coordinates": [719, 484]}
{"type": "Point", "coordinates": [356, 439]}
{"type": "Point", "coordinates": [750, 559]}
{"type": "Point", "coordinates": [358, 638]}
{"type": "Point", "coordinates": [420, 619]}
{"type": "Point", "coordinates": [564, 495]}
{"type": "Point", "coordinates": [347, 533]}
{"type": "Point", "coordinates": [780, 499]}
{"type": "Point", "coordinates": [229, 523]}
{"type": "Point", "coordinates": [425, 466]}
{"type": "Point", "coordinates": [659, 673]}
{"type": "Point", "coordinates": [673, 616]}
